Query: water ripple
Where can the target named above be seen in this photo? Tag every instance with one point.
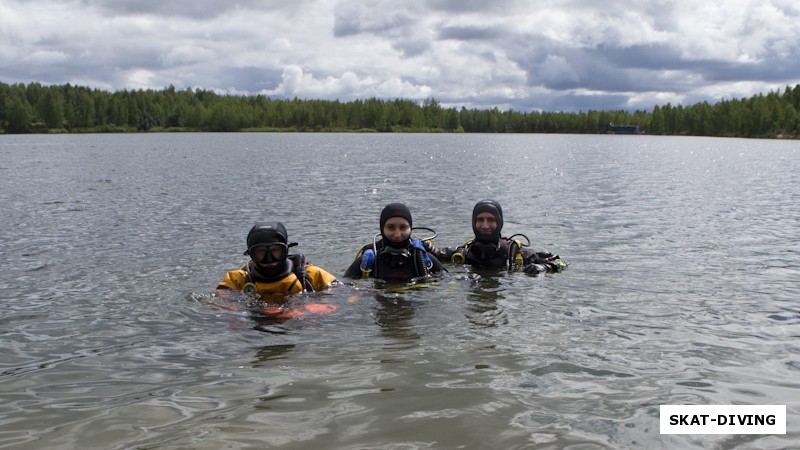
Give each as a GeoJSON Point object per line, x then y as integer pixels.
{"type": "Point", "coordinates": [682, 289]}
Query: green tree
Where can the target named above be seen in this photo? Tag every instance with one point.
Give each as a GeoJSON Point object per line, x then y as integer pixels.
{"type": "Point", "coordinates": [431, 112]}
{"type": "Point", "coordinates": [33, 107]}
{"type": "Point", "coordinates": [84, 109]}
{"type": "Point", "coordinates": [19, 115]}
{"type": "Point", "coordinates": [52, 110]}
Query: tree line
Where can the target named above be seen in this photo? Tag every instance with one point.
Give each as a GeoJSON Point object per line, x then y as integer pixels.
{"type": "Point", "coordinates": [35, 108]}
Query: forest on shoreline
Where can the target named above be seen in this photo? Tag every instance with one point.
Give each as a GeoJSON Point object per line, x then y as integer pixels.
{"type": "Point", "coordinates": [36, 108]}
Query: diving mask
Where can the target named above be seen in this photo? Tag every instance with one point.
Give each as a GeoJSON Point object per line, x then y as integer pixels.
{"type": "Point", "coordinates": [268, 253]}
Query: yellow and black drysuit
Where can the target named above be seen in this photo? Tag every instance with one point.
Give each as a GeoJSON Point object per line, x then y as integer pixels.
{"type": "Point", "coordinates": [296, 276]}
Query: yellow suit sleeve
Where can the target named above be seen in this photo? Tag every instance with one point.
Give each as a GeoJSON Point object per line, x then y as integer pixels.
{"type": "Point", "coordinates": [234, 280]}
{"type": "Point", "coordinates": [320, 279]}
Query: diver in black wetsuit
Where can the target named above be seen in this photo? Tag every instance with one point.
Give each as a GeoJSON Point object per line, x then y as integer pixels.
{"type": "Point", "coordinates": [395, 256]}
{"type": "Point", "coordinates": [488, 250]}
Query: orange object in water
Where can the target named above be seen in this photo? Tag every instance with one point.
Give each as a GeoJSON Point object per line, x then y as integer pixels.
{"type": "Point", "coordinates": [300, 311]}
{"type": "Point", "coordinates": [272, 310]}
{"type": "Point", "coordinates": [320, 308]}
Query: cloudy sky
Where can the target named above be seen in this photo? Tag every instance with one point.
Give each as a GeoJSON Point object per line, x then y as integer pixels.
{"type": "Point", "coordinates": [553, 55]}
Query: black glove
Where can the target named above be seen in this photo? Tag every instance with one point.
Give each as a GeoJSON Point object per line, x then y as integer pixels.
{"type": "Point", "coordinates": [534, 268]}
{"type": "Point", "coordinates": [428, 246]}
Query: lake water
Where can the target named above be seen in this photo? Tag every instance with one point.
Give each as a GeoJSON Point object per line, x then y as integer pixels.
{"type": "Point", "coordinates": [683, 288]}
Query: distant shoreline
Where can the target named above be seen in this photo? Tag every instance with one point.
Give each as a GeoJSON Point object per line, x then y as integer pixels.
{"type": "Point", "coordinates": [366, 131]}
{"type": "Point", "coordinates": [39, 109]}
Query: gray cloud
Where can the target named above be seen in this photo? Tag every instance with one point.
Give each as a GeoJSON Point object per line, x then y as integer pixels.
{"type": "Point", "coordinates": [528, 55]}
{"type": "Point", "coordinates": [254, 78]}
{"type": "Point", "coordinates": [471, 33]}
{"type": "Point", "coordinates": [184, 8]}
{"type": "Point", "coordinates": [652, 56]}
{"type": "Point", "coordinates": [456, 6]}
{"type": "Point", "coordinates": [354, 20]}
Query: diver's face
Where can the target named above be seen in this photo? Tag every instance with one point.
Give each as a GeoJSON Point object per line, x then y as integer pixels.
{"type": "Point", "coordinates": [397, 229]}
{"type": "Point", "coordinates": [486, 223]}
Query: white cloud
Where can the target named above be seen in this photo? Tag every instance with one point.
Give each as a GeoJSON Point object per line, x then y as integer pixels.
{"type": "Point", "coordinates": [187, 54]}
{"type": "Point", "coordinates": [140, 79]}
{"type": "Point", "coordinates": [297, 83]}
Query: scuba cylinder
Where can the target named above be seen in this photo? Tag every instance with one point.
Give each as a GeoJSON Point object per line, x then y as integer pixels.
{"type": "Point", "coordinates": [367, 262]}
{"type": "Point", "coordinates": [515, 258]}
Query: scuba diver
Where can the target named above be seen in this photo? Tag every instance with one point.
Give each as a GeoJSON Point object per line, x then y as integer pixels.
{"type": "Point", "coordinates": [396, 256]}
{"type": "Point", "coordinates": [488, 250]}
{"type": "Point", "coordinates": [271, 269]}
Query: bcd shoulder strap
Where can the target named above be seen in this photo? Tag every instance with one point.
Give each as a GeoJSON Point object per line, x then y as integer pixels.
{"type": "Point", "coordinates": [299, 270]}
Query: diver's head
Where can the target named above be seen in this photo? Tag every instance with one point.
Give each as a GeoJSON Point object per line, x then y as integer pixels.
{"type": "Point", "coordinates": [396, 224]}
{"type": "Point", "coordinates": [268, 244]}
{"type": "Point", "coordinates": [487, 221]}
